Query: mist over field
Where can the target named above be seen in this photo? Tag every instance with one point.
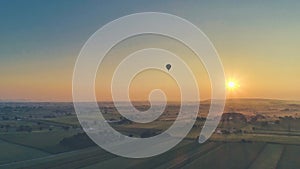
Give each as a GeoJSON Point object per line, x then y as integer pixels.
{"type": "Point", "coordinates": [255, 131]}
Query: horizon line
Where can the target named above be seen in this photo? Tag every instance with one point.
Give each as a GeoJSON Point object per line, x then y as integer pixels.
{"type": "Point", "coordinates": [141, 101]}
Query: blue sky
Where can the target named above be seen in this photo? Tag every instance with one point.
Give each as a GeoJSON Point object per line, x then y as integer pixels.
{"type": "Point", "coordinates": [40, 39]}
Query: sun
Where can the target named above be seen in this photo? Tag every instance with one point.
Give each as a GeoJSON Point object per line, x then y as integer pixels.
{"type": "Point", "coordinates": [231, 85]}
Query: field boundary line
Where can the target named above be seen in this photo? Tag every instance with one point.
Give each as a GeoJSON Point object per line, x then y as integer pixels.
{"type": "Point", "coordinates": [281, 156]}
{"type": "Point", "coordinates": [24, 145]}
{"type": "Point", "coordinates": [196, 156]}
{"type": "Point", "coordinates": [40, 158]}
{"type": "Point", "coordinates": [258, 154]}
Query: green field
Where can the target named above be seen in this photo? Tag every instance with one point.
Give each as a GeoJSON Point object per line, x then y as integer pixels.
{"type": "Point", "coordinates": [186, 155]}
{"type": "Point", "coordinates": [44, 141]}
{"type": "Point", "coordinates": [230, 155]}
{"type": "Point", "coordinates": [290, 158]}
{"type": "Point", "coordinates": [14, 152]}
{"type": "Point", "coordinates": [48, 135]}
{"type": "Point", "coordinates": [268, 158]}
{"type": "Point", "coordinates": [67, 120]}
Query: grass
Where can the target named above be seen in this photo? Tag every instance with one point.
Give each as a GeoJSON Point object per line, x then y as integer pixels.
{"type": "Point", "coordinates": [188, 154]}
{"type": "Point", "coordinates": [73, 159]}
{"type": "Point", "coordinates": [14, 152]}
{"type": "Point", "coordinates": [178, 155]}
{"type": "Point", "coordinates": [181, 158]}
{"type": "Point", "coordinates": [67, 120]}
{"type": "Point", "coordinates": [262, 152]}
{"type": "Point", "coordinates": [229, 155]}
{"type": "Point", "coordinates": [271, 138]}
{"type": "Point", "coordinates": [290, 158]}
{"type": "Point", "coordinates": [268, 158]}
{"type": "Point", "coordinates": [46, 141]}
{"type": "Point", "coordinates": [116, 162]}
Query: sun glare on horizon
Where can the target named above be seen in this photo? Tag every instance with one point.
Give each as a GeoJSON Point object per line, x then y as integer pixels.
{"type": "Point", "coordinates": [232, 85]}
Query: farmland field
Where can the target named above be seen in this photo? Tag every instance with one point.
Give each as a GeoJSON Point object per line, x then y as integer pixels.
{"type": "Point", "coordinates": [290, 157]}
{"type": "Point", "coordinates": [48, 135]}
{"type": "Point", "coordinates": [268, 158]}
{"type": "Point", "coordinates": [14, 152]}
{"type": "Point", "coordinates": [45, 141]}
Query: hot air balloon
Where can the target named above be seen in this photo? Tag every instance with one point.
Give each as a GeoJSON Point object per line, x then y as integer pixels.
{"type": "Point", "coordinates": [168, 66]}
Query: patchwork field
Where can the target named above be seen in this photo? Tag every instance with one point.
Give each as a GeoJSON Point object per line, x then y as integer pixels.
{"type": "Point", "coordinates": [187, 155]}
{"type": "Point", "coordinates": [15, 152]}
{"type": "Point", "coordinates": [252, 134]}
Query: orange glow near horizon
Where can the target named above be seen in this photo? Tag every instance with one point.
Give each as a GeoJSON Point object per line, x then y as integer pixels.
{"type": "Point", "coordinates": [232, 85]}
{"type": "Point", "coordinates": [42, 81]}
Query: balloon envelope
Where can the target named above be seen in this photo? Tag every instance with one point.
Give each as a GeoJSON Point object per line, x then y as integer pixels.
{"type": "Point", "coordinates": [168, 66]}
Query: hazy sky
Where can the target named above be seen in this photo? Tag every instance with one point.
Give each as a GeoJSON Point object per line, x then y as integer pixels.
{"type": "Point", "coordinates": [258, 42]}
